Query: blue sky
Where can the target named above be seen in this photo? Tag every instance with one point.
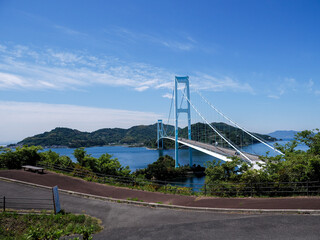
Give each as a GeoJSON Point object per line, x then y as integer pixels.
{"type": "Point", "coordinates": [96, 64]}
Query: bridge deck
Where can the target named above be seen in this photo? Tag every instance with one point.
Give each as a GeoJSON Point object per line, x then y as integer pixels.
{"type": "Point", "coordinates": [220, 150]}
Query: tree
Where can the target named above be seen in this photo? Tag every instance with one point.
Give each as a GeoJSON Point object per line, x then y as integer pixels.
{"type": "Point", "coordinates": [24, 155]}
{"type": "Point", "coordinates": [80, 154]}
{"type": "Point", "coordinates": [163, 169]}
{"type": "Point", "coordinates": [106, 165]}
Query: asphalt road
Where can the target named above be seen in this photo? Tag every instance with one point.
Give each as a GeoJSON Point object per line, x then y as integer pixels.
{"type": "Point", "coordinates": [123, 221]}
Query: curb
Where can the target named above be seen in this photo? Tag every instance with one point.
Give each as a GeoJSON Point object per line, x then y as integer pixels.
{"type": "Point", "coordinates": [176, 207]}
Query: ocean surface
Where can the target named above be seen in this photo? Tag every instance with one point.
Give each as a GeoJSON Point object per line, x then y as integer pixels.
{"type": "Point", "coordinates": [140, 157]}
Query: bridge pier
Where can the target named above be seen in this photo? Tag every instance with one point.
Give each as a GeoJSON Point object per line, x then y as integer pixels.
{"type": "Point", "coordinates": [159, 134]}
{"type": "Point", "coordinates": [177, 110]}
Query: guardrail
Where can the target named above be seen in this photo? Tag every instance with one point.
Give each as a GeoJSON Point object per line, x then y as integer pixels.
{"type": "Point", "coordinates": [217, 189]}
{"type": "Point", "coordinates": [26, 203]}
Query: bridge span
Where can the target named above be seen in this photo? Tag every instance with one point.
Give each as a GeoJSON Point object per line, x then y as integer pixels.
{"type": "Point", "coordinates": [221, 153]}
{"type": "Point", "coordinates": [217, 133]}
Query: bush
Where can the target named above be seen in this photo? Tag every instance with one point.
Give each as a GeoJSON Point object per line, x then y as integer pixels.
{"type": "Point", "coordinates": [14, 159]}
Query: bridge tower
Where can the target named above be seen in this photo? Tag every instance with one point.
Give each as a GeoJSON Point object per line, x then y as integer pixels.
{"type": "Point", "coordinates": [177, 110]}
{"type": "Point", "coordinates": [160, 134]}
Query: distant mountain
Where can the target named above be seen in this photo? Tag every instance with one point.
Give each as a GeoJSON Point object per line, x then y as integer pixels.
{"type": "Point", "coordinates": [284, 134]}
{"type": "Point", "coordinates": [142, 135]}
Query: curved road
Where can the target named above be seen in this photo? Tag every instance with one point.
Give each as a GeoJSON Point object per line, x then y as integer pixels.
{"type": "Point", "coordinates": [123, 221]}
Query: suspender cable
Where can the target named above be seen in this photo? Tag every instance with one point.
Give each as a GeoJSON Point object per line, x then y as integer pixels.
{"type": "Point", "coordinates": [238, 124]}
{"type": "Point", "coordinates": [216, 130]}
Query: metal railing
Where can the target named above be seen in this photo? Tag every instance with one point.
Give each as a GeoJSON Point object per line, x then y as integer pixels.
{"type": "Point", "coordinates": [19, 203]}
{"type": "Point", "coordinates": [273, 189]}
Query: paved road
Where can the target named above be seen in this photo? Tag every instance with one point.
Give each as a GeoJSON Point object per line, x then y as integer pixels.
{"type": "Point", "coordinates": [79, 185]}
{"type": "Point", "coordinates": [123, 221]}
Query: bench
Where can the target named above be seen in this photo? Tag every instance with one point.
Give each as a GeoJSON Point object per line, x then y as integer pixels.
{"type": "Point", "coordinates": [33, 168]}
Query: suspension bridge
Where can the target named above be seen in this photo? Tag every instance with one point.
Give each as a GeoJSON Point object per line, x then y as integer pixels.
{"type": "Point", "coordinates": [206, 128]}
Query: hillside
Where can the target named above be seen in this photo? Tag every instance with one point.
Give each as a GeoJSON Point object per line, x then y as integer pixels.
{"type": "Point", "coordinates": [284, 134]}
{"type": "Point", "coordinates": [107, 136]}
{"type": "Point", "coordinates": [142, 135]}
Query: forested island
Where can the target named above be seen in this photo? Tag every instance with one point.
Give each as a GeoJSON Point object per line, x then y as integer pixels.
{"type": "Point", "coordinates": [142, 135]}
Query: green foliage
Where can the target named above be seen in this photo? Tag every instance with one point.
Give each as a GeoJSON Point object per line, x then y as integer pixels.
{"type": "Point", "coordinates": [74, 139]}
{"type": "Point", "coordinates": [51, 157]}
{"type": "Point", "coordinates": [110, 166]}
{"type": "Point", "coordinates": [14, 159]}
{"type": "Point", "coordinates": [163, 169]}
{"type": "Point", "coordinates": [294, 166]}
{"type": "Point", "coordinates": [34, 226]}
{"type": "Point", "coordinates": [105, 164]}
{"type": "Point", "coordinates": [80, 155]}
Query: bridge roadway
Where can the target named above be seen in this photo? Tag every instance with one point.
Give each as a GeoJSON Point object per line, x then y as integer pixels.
{"type": "Point", "coordinates": [218, 152]}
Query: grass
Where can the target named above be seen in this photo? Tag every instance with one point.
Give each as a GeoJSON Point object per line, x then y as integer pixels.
{"type": "Point", "coordinates": [135, 199]}
{"type": "Point", "coordinates": [44, 226]}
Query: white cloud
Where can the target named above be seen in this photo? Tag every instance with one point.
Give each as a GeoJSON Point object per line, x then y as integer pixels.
{"type": "Point", "coordinates": [23, 119]}
{"type": "Point", "coordinates": [283, 86]}
{"type": "Point", "coordinates": [22, 67]}
{"type": "Point", "coordinates": [310, 84]}
{"type": "Point", "coordinates": [68, 31]}
{"type": "Point", "coordinates": [312, 88]}
{"type": "Point", "coordinates": [167, 95]}
{"type": "Point", "coordinates": [181, 44]}
{"type": "Point", "coordinates": [225, 83]}
{"type": "Point", "coordinates": [274, 96]}
{"type": "Point", "coordinates": [10, 80]}
{"type": "Point", "coordinates": [141, 89]}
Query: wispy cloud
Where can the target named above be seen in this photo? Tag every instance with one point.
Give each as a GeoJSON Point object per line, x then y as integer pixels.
{"type": "Point", "coordinates": [178, 43]}
{"type": "Point", "coordinates": [274, 96]}
{"type": "Point", "coordinates": [312, 88]}
{"type": "Point", "coordinates": [310, 85]}
{"type": "Point", "coordinates": [283, 86]}
{"type": "Point", "coordinates": [225, 83]}
{"type": "Point", "coordinates": [22, 67]}
{"type": "Point", "coordinates": [141, 89]}
{"type": "Point", "coordinates": [167, 95]}
{"type": "Point", "coordinates": [10, 80]}
{"type": "Point", "coordinates": [40, 117]}
{"type": "Point", "coordinates": [69, 31]}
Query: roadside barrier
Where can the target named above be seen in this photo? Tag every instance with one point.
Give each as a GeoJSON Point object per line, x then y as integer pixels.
{"type": "Point", "coordinates": [25, 203]}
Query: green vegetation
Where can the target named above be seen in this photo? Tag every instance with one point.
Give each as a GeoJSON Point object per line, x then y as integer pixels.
{"type": "Point", "coordinates": [163, 169]}
{"type": "Point", "coordinates": [134, 199]}
{"type": "Point", "coordinates": [135, 136]}
{"type": "Point", "coordinates": [43, 226]}
{"type": "Point", "coordinates": [105, 164]}
{"type": "Point", "coordinates": [14, 159]}
{"type": "Point", "coordinates": [234, 134]}
{"type": "Point", "coordinates": [295, 166]}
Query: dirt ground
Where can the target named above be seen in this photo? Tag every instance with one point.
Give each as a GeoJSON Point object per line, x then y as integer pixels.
{"type": "Point", "coordinates": [78, 185]}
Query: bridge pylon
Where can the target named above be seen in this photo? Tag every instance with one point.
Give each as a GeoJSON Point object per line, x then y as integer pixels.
{"type": "Point", "coordinates": [177, 110]}
{"type": "Point", "coordinates": [159, 134]}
